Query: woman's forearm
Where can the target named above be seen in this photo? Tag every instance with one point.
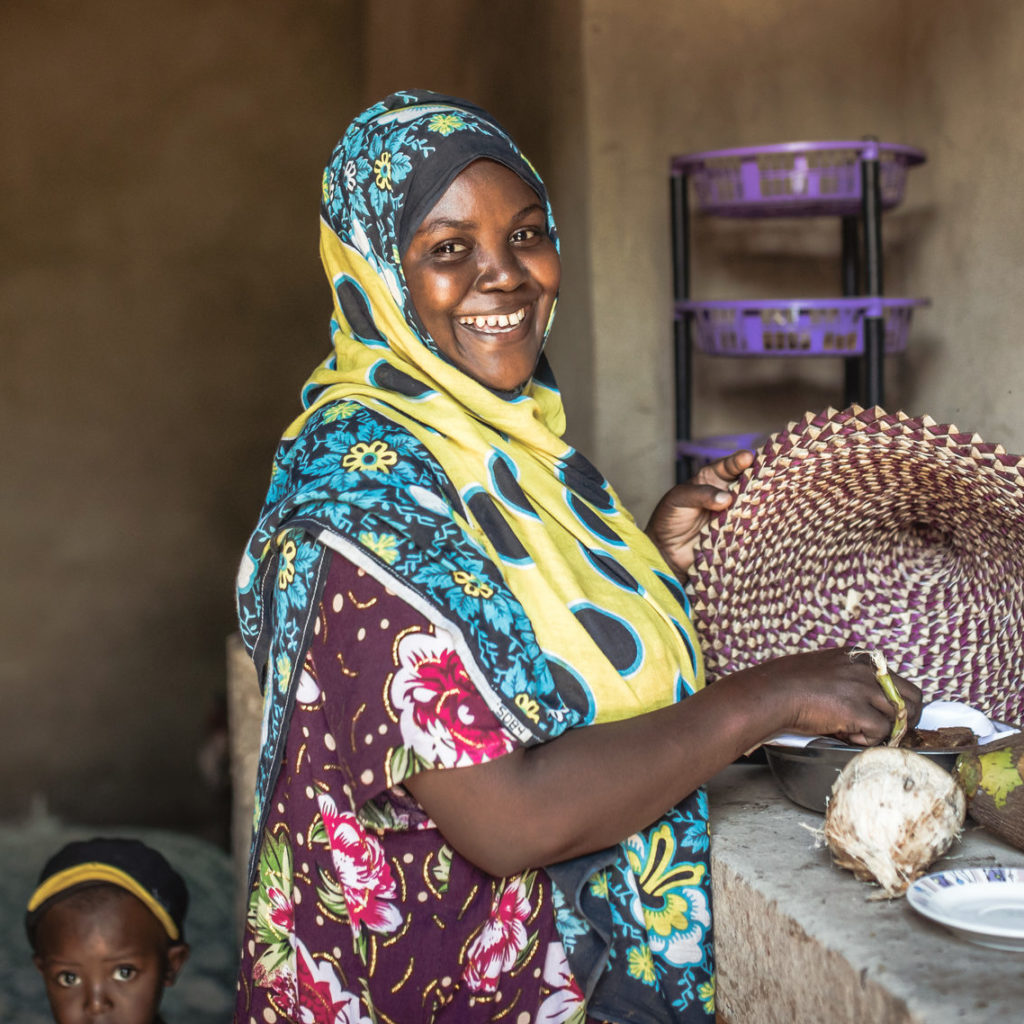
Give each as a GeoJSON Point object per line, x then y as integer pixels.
{"type": "Point", "coordinates": [592, 787]}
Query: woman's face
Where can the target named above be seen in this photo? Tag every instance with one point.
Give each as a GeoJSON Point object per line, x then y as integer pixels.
{"type": "Point", "coordinates": [483, 275]}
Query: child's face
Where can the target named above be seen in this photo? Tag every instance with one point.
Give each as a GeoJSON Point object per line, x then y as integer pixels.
{"type": "Point", "coordinates": [107, 963]}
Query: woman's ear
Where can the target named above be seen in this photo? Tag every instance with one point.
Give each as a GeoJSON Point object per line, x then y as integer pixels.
{"type": "Point", "coordinates": [177, 954]}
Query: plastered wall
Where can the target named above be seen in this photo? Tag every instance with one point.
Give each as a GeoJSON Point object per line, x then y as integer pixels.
{"type": "Point", "coordinates": [964, 89]}
{"type": "Point", "coordinates": [161, 299]}
{"type": "Point", "coordinates": [160, 304]}
{"type": "Point", "coordinates": [667, 78]}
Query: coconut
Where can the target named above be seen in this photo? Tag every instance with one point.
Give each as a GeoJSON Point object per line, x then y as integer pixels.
{"type": "Point", "coordinates": [890, 815]}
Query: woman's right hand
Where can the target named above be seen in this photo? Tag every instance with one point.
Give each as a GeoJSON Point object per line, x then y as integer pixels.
{"type": "Point", "coordinates": [593, 787]}
{"type": "Point", "coordinates": [834, 692]}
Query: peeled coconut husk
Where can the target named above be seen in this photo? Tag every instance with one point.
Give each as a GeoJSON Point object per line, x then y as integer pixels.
{"type": "Point", "coordinates": [992, 776]}
{"type": "Point", "coordinates": [890, 815]}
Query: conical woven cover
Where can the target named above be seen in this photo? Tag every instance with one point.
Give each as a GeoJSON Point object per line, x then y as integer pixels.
{"type": "Point", "coordinates": [880, 530]}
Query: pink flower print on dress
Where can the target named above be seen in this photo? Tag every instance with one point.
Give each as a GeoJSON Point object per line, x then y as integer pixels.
{"type": "Point", "coordinates": [442, 717]}
{"type": "Point", "coordinates": [501, 939]}
{"type": "Point", "coordinates": [284, 991]}
{"type": "Point", "coordinates": [362, 872]}
{"type": "Point", "coordinates": [282, 911]}
{"type": "Point", "coordinates": [321, 998]}
{"type": "Point", "coordinates": [566, 1004]}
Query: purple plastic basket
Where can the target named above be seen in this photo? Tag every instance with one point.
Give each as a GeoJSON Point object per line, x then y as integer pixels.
{"type": "Point", "coordinates": [794, 178]}
{"type": "Point", "coordinates": [706, 449]}
{"type": "Point", "coordinates": [796, 327]}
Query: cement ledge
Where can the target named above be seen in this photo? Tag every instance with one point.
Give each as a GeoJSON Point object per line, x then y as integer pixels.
{"type": "Point", "coordinates": [798, 942]}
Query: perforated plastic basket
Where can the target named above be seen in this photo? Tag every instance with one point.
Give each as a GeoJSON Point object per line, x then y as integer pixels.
{"type": "Point", "coordinates": [794, 178]}
{"type": "Point", "coordinates": [706, 449]}
{"type": "Point", "coordinates": [796, 327]}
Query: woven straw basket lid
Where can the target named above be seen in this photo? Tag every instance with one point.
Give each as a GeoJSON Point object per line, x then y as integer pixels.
{"type": "Point", "coordinates": [880, 530]}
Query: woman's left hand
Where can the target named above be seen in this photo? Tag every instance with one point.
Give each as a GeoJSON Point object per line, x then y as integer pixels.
{"type": "Point", "coordinates": [680, 515]}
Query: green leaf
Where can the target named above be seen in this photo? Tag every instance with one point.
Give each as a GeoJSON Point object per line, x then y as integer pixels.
{"type": "Point", "coordinates": [442, 868]}
{"type": "Point", "coordinates": [318, 834]}
{"type": "Point", "coordinates": [275, 872]}
{"type": "Point", "coordinates": [330, 894]}
{"type": "Point", "coordinates": [274, 957]}
{"type": "Point", "coordinates": [527, 951]}
{"type": "Point", "coordinates": [999, 775]}
{"type": "Point", "coordinates": [400, 766]}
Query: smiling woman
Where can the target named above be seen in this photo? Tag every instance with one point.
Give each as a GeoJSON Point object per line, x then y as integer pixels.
{"type": "Point", "coordinates": [483, 274]}
{"type": "Point", "coordinates": [485, 728]}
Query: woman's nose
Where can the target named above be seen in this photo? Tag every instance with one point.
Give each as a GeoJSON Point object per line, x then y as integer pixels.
{"type": "Point", "coordinates": [499, 269]}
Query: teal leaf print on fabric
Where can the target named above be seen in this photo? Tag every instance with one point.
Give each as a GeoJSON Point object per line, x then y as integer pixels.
{"type": "Point", "coordinates": [695, 832]}
{"type": "Point", "coordinates": [470, 593]}
{"type": "Point", "coordinates": [570, 925]}
{"type": "Point", "coordinates": [401, 165]}
{"type": "Point", "coordinates": [297, 556]}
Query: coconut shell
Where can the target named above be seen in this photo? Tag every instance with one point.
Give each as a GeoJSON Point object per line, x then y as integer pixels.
{"type": "Point", "coordinates": [890, 815]}
{"type": "Point", "coordinates": [992, 777]}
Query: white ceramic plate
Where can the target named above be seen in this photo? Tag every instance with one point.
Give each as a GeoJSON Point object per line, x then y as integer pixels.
{"type": "Point", "coordinates": [983, 905]}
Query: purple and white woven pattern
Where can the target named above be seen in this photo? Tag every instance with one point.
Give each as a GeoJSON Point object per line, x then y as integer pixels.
{"type": "Point", "coordinates": [880, 530]}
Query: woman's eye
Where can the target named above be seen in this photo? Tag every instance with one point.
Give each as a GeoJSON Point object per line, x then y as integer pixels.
{"type": "Point", "coordinates": [527, 234]}
{"type": "Point", "coordinates": [67, 978]}
{"type": "Point", "coordinates": [450, 248]}
{"type": "Point", "coordinates": [125, 972]}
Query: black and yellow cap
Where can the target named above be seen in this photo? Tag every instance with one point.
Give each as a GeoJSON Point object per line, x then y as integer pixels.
{"type": "Point", "coordinates": [128, 864]}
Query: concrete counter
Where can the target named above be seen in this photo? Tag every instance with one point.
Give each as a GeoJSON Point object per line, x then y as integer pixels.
{"type": "Point", "coordinates": [798, 941]}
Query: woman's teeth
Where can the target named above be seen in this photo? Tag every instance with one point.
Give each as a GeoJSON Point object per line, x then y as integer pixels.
{"type": "Point", "coordinates": [499, 322]}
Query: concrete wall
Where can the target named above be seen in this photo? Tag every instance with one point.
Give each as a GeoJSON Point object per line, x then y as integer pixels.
{"type": "Point", "coordinates": [670, 78]}
{"type": "Point", "coordinates": [161, 302]}
{"type": "Point", "coordinates": [161, 299]}
{"type": "Point", "coordinates": [964, 89]}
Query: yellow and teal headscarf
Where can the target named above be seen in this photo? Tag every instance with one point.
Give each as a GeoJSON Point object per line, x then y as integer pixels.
{"type": "Point", "coordinates": [465, 501]}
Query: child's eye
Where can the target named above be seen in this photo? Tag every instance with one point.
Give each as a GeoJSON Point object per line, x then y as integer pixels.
{"type": "Point", "coordinates": [125, 972]}
{"type": "Point", "coordinates": [66, 979]}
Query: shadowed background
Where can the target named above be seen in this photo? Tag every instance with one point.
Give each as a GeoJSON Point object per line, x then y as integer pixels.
{"type": "Point", "coordinates": [161, 299]}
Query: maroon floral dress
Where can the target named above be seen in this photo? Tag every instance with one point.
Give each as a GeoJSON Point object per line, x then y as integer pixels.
{"type": "Point", "coordinates": [361, 912]}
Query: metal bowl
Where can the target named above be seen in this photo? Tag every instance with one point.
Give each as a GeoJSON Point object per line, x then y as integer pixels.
{"type": "Point", "coordinates": [806, 774]}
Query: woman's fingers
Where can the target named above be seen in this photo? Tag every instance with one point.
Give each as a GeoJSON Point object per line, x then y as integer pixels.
{"type": "Point", "coordinates": [724, 471]}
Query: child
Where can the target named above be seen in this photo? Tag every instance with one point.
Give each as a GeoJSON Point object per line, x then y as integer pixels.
{"type": "Point", "coordinates": [106, 924]}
